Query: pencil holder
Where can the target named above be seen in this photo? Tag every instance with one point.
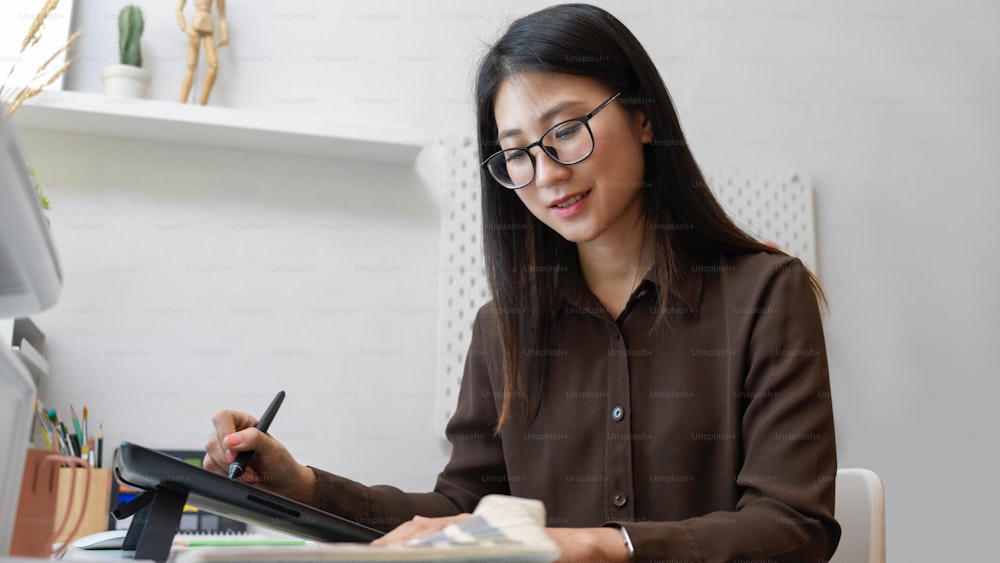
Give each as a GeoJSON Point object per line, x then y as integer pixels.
{"type": "Point", "coordinates": [91, 503]}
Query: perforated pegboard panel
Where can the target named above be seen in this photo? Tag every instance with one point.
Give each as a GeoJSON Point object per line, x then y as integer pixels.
{"type": "Point", "coordinates": [774, 207]}
{"type": "Point", "coordinates": [463, 286]}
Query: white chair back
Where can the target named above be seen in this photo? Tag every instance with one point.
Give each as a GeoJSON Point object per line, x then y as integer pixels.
{"type": "Point", "coordinates": [860, 510]}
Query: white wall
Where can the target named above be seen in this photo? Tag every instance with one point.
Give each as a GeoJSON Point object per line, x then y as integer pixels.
{"type": "Point", "coordinates": [199, 279]}
{"type": "Point", "coordinates": [890, 107]}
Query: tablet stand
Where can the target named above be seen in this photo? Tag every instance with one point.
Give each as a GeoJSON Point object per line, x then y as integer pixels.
{"type": "Point", "coordinates": [157, 514]}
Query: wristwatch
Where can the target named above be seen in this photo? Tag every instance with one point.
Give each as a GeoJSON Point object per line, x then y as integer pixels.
{"type": "Point", "coordinates": [625, 538]}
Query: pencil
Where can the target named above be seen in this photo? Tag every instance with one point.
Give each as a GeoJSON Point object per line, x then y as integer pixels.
{"type": "Point", "coordinates": [91, 453]}
{"type": "Point", "coordinates": [100, 446]}
{"type": "Point", "coordinates": [45, 430]}
{"type": "Point", "coordinates": [235, 542]}
{"type": "Point", "coordinates": [56, 443]}
{"type": "Point", "coordinates": [80, 438]}
{"type": "Point", "coordinates": [83, 437]}
{"type": "Point", "coordinates": [59, 429]}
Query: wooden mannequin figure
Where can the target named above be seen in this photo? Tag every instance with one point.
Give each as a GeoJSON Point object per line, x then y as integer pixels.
{"type": "Point", "coordinates": [202, 31]}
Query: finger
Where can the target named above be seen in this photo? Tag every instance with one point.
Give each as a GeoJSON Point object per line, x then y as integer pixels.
{"type": "Point", "coordinates": [210, 464]}
{"type": "Point", "coordinates": [215, 456]}
{"type": "Point", "coordinates": [227, 422]}
{"type": "Point", "coordinates": [402, 533]}
{"type": "Point", "coordinates": [249, 476]}
{"type": "Point", "coordinates": [419, 527]}
{"type": "Point", "coordinates": [248, 439]}
{"type": "Point", "coordinates": [252, 477]}
{"type": "Point", "coordinates": [218, 459]}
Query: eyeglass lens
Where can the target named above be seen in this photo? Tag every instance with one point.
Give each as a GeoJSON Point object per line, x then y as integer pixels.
{"type": "Point", "coordinates": [567, 143]}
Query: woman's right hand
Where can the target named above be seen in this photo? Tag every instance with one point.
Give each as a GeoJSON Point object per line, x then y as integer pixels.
{"type": "Point", "coordinates": [272, 466]}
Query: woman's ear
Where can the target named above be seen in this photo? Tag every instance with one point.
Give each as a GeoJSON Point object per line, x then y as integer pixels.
{"type": "Point", "coordinates": [643, 126]}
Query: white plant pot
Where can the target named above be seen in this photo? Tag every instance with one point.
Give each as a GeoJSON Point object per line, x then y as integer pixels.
{"type": "Point", "coordinates": [125, 80]}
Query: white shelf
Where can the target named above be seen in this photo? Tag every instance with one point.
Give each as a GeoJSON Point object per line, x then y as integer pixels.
{"type": "Point", "coordinates": [300, 134]}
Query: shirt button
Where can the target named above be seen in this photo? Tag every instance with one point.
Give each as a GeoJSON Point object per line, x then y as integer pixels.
{"type": "Point", "coordinates": [619, 499]}
{"type": "Point", "coordinates": [617, 413]}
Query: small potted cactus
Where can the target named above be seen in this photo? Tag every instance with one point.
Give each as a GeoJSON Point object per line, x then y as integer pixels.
{"type": "Point", "coordinates": [127, 78]}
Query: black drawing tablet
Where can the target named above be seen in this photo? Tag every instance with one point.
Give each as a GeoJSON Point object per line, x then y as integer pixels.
{"type": "Point", "coordinates": [148, 469]}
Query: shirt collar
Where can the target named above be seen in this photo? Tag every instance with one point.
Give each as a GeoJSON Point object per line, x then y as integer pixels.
{"type": "Point", "coordinates": [687, 289]}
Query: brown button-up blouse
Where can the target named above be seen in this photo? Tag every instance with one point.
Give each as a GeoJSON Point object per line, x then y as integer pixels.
{"type": "Point", "coordinates": [710, 439]}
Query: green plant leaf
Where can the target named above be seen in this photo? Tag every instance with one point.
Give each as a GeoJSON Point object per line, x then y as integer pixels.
{"type": "Point", "coordinates": [42, 198]}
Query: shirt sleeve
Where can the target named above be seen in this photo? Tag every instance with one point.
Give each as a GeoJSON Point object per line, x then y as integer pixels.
{"type": "Point", "coordinates": [785, 512]}
{"type": "Point", "coordinates": [476, 467]}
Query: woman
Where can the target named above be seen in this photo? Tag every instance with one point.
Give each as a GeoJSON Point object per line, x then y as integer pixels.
{"type": "Point", "coordinates": [644, 364]}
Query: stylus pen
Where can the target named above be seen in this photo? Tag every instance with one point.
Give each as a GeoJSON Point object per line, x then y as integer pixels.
{"type": "Point", "coordinates": [239, 465]}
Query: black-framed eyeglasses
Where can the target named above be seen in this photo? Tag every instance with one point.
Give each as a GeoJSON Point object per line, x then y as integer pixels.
{"type": "Point", "coordinates": [568, 142]}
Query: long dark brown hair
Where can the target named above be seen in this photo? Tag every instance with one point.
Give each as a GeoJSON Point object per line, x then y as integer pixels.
{"type": "Point", "coordinates": [526, 260]}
